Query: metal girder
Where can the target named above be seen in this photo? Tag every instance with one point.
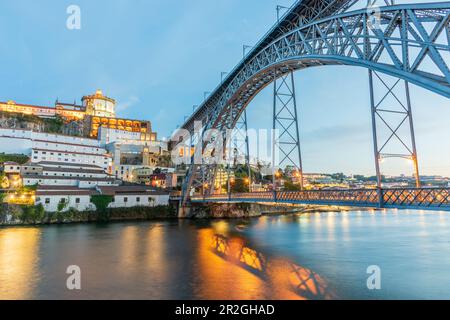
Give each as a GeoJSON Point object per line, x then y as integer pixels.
{"type": "Point", "coordinates": [407, 44]}
{"type": "Point", "coordinates": [345, 39]}
{"type": "Point", "coordinates": [392, 116]}
{"type": "Point", "coordinates": [402, 198]}
{"type": "Point", "coordinates": [286, 138]}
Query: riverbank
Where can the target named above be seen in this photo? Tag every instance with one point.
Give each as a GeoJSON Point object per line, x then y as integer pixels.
{"type": "Point", "coordinates": [16, 215]}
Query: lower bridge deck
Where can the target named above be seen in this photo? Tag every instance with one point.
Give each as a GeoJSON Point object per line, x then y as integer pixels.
{"type": "Point", "coordinates": [404, 198]}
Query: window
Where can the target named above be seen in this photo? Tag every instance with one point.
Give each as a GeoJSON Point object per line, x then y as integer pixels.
{"type": "Point", "coordinates": [77, 200]}
{"type": "Point", "coordinates": [125, 199]}
{"type": "Point", "coordinates": [63, 200]}
{"type": "Point", "coordinates": [138, 199]}
{"type": "Point", "coordinates": [47, 200]}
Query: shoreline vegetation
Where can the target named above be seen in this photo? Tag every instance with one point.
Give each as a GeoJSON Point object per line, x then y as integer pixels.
{"type": "Point", "coordinates": [22, 215]}
{"type": "Point", "coordinates": [19, 215]}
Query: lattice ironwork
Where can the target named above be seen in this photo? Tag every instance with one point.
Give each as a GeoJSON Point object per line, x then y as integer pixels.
{"type": "Point", "coordinates": [286, 138]}
{"type": "Point", "coordinates": [410, 42]}
{"type": "Point", "coordinates": [405, 198]}
{"type": "Point", "coordinates": [392, 115]}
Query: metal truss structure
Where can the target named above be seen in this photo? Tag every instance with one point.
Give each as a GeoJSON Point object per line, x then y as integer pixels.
{"type": "Point", "coordinates": [392, 117]}
{"type": "Point", "coordinates": [239, 144]}
{"type": "Point", "coordinates": [286, 138]}
{"type": "Point", "coordinates": [409, 42]}
{"type": "Point", "coordinates": [402, 198]}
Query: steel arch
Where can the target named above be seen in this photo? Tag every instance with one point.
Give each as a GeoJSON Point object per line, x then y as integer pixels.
{"type": "Point", "coordinates": [343, 39]}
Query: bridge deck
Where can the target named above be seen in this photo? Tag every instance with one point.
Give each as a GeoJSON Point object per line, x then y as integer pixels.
{"type": "Point", "coordinates": [405, 198]}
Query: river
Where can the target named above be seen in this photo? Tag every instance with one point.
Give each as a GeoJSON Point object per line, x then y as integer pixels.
{"type": "Point", "coordinates": [310, 256]}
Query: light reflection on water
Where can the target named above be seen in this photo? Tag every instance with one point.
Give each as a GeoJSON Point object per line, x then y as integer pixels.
{"type": "Point", "coordinates": [309, 256]}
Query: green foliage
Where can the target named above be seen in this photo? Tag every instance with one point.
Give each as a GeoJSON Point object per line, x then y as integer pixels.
{"type": "Point", "coordinates": [39, 213]}
{"type": "Point", "coordinates": [62, 206]}
{"type": "Point", "coordinates": [102, 202]}
{"type": "Point", "coordinates": [18, 158]}
{"type": "Point", "coordinates": [239, 186]}
{"type": "Point", "coordinates": [289, 186]}
{"type": "Point", "coordinates": [28, 214]}
{"type": "Point", "coordinates": [54, 125]}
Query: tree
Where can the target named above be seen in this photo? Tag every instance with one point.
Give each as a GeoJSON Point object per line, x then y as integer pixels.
{"type": "Point", "coordinates": [102, 203]}
{"type": "Point", "coordinates": [28, 214]}
{"type": "Point", "coordinates": [239, 186]}
{"type": "Point", "coordinates": [289, 186]}
{"type": "Point", "coordinates": [62, 205]}
{"type": "Point", "coordinates": [39, 213]}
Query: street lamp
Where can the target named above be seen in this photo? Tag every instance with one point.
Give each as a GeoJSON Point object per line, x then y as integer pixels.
{"type": "Point", "coordinates": [222, 74]}
{"type": "Point", "coordinates": [244, 49]}
{"type": "Point", "coordinates": [279, 8]}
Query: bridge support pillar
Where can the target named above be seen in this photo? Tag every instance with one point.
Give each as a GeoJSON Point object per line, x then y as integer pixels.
{"type": "Point", "coordinates": [392, 123]}
{"type": "Point", "coordinates": [286, 137]}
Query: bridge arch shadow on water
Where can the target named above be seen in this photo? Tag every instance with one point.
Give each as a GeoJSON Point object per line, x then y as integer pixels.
{"type": "Point", "coordinates": [300, 280]}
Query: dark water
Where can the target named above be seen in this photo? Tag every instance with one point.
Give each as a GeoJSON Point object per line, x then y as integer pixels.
{"type": "Point", "coordinates": [314, 256]}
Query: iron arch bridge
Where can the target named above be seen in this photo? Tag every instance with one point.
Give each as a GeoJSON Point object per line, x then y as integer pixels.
{"type": "Point", "coordinates": [410, 42]}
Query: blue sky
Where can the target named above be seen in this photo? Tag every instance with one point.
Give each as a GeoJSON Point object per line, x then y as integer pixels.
{"type": "Point", "coordinates": [157, 57]}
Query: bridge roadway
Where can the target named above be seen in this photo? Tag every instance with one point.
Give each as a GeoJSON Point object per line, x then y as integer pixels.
{"type": "Point", "coordinates": [404, 198]}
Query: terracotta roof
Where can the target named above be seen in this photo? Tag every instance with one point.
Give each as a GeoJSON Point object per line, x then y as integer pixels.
{"type": "Point", "coordinates": [67, 193]}
{"type": "Point", "coordinates": [130, 190]}
{"type": "Point", "coordinates": [63, 164]}
{"type": "Point", "coordinates": [68, 143]}
{"type": "Point", "coordinates": [57, 169]}
{"type": "Point", "coordinates": [41, 177]}
{"type": "Point", "coordinates": [57, 188]}
{"type": "Point", "coordinates": [73, 152]}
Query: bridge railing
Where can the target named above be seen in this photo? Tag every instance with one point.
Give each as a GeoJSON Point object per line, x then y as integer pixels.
{"type": "Point", "coordinates": [420, 198]}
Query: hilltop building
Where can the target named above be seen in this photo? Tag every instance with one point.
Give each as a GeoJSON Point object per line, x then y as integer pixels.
{"type": "Point", "coordinates": [96, 111]}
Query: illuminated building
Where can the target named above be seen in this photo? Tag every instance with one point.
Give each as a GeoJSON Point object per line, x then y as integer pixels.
{"type": "Point", "coordinates": [99, 105]}
{"type": "Point", "coordinates": [96, 111]}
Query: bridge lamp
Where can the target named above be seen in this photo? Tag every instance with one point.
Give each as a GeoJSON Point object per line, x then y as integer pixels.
{"type": "Point", "coordinates": [279, 8]}
{"type": "Point", "coordinates": [222, 74]}
{"type": "Point", "coordinates": [244, 49]}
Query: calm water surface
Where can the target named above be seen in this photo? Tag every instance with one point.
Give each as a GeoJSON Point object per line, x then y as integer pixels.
{"type": "Point", "coordinates": [314, 256]}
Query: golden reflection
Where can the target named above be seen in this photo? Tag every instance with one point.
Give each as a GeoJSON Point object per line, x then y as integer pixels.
{"type": "Point", "coordinates": [216, 272]}
{"type": "Point", "coordinates": [247, 273]}
{"type": "Point", "coordinates": [156, 252]}
{"type": "Point", "coordinates": [19, 270]}
{"type": "Point", "coordinates": [345, 222]}
{"type": "Point", "coordinates": [128, 247]}
{"type": "Point", "coordinates": [331, 225]}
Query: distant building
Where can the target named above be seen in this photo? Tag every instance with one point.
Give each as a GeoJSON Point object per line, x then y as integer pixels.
{"type": "Point", "coordinates": [97, 111]}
